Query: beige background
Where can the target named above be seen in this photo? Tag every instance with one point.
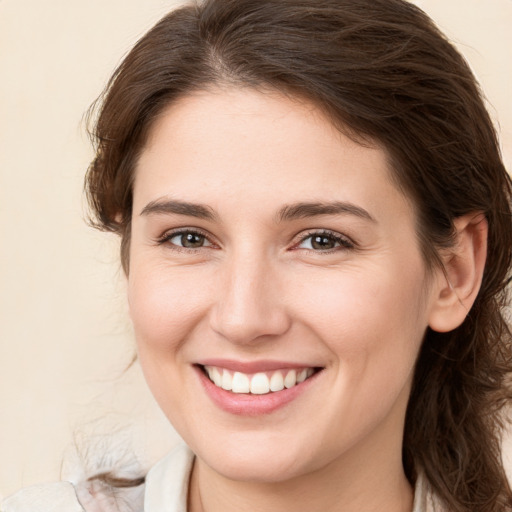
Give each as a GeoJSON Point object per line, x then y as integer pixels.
{"type": "Point", "coordinates": [64, 334]}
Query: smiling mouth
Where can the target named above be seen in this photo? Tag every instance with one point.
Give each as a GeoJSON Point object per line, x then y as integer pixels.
{"type": "Point", "coordinates": [260, 383]}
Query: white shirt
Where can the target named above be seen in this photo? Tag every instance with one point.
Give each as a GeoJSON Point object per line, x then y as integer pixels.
{"type": "Point", "coordinates": [166, 490]}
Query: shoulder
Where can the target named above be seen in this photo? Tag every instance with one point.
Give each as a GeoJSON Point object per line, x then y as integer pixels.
{"type": "Point", "coordinates": [56, 497]}
{"type": "Point", "coordinates": [166, 488]}
{"type": "Point", "coordinates": [88, 496]}
{"type": "Point", "coordinates": [425, 499]}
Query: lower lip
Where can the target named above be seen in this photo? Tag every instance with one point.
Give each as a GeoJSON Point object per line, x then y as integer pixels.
{"type": "Point", "coordinates": [245, 404]}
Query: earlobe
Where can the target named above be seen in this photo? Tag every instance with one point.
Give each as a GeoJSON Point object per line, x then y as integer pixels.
{"type": "Point", "coordinates": [459, 281]}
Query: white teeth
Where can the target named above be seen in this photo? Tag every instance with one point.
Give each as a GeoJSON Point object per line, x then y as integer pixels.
{"type": "Point", "coordinates": [302, 375]}
{"type": "Point", "coordinates": [276, 382]}
{"type": "Point", "coordinates": [216, 377]}
{"type": "Point", "coordinates": [227, 380]}
{"type": "Point", "coordinates": [260, 383]}
{"type": "Point", "coordinates": [240, 383]}
{"type": "Point", "coordinates": [291, 379]}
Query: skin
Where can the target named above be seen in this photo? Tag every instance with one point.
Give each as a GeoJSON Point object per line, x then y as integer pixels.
{"type": "Point", "coordinates": [257, 289]}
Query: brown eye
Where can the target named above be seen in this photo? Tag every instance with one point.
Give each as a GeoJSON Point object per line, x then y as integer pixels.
{"type": "Point", "coordinates": [189, 240]}
{"type": "Point", "coordinates": [322, 242]}
{"type": "Point", "coordinates": [325, 242]}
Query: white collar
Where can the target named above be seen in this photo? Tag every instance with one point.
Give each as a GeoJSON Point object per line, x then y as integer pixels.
{"type": "Point", "coordinates": [167, 482]}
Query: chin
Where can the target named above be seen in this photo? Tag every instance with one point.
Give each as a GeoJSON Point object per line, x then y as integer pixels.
{"type": "Point", "coordinates": [257, 469]}
{"type": "Point", "coordinates": [256, 459]}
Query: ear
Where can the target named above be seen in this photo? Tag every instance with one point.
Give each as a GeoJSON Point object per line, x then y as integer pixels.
{"type": "Point", "coordinates": [458, 283]}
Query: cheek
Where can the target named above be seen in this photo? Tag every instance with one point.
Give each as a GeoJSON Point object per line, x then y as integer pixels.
{"type": "Point", "coordinates": [375, 331]}
{"type": "Point", "coordinates": [163, 305]}
{"type": "Point", "coordinates": [373, 321]}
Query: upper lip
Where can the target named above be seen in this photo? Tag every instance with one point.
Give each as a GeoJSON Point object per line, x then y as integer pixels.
{"type": "Point", "coordinates": [253, 366]}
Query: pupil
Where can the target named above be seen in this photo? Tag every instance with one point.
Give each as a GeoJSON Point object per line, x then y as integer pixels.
{"type": "Point", "coordinates": [322, 242]}
{"type": "Point", "coordinates": [192, 240]}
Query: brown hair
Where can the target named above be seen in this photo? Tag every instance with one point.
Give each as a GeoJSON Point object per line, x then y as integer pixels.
{"type": "Point", "coordinates": [383, 72]}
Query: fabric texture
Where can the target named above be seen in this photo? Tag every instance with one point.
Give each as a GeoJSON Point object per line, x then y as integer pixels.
{"type": "Point", "coordinates": [166, 490]}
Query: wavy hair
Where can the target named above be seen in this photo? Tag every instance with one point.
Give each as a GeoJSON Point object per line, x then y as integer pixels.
{"type": "Point", "coordinates": [382, 71]}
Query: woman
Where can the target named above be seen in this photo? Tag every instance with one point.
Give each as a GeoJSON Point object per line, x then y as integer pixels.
{"type": "Point", "coordinates": [316, 232]}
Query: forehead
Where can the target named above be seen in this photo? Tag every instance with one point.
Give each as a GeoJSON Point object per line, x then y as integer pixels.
{"type": "Point", "coordinates": [225, 142]}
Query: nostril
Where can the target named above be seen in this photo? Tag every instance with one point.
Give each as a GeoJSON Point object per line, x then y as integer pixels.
{"type": "Point", "coordinates": [244, 325]}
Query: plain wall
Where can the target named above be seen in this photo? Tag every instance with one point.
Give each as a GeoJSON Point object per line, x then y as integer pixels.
{"type": "Point", "coordinates": [65, 337]}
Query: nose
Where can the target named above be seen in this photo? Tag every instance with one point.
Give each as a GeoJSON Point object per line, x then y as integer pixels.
{"type": "Point", "coordinates": [249, 306]}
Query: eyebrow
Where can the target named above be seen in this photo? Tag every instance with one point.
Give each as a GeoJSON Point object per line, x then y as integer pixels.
{"type": "Point", "coordinates": [304, 210]}
{"type": "Point", "coordinates": [286, 213]}
{"type": "Point", "coordinates": [170, 206]}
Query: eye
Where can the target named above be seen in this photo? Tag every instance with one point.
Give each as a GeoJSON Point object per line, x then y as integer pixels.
{"type": "Point", "coordinates": [187, 239]}
{"type": "Point", "coordinates": [324, 241]}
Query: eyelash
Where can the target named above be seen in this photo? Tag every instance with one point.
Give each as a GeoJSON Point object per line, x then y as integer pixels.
{"type": "Point", "coordinates": [169, 235]}
{"type": "Point", "coordinates": [344, 243]}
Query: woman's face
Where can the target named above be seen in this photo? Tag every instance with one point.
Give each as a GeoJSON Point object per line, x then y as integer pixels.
{"type": "Point", "coordinates": [268, 248]}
